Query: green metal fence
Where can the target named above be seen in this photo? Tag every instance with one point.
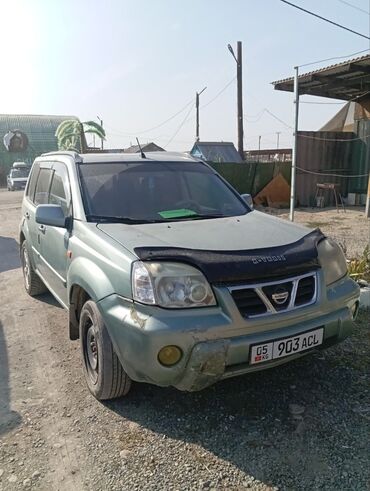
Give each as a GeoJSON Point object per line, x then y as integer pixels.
{"type": "Point", "coordinates": [251, 177]}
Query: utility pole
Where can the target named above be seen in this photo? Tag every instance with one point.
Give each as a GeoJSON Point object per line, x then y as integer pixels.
{"type": "Point", "coordinates": [277, 140]}
{"type": "Point", "coordinates": [239, 76]}
{"type": "Point", "coordinates": [101, 124]}
{"type": "Point", "coordinates": [367, 209]}
{"type": "Point", "coordinates": [259, 147]}
{"type": "Point", "coordinates": [295, 145]}
{"type": "Point", "coordinates": [197, 94]}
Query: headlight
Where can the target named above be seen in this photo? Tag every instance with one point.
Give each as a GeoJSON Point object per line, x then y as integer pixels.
{"type": "Point", "coordinates": [332, 261]}
{"type": "Point", "coordinates": [170, 285]}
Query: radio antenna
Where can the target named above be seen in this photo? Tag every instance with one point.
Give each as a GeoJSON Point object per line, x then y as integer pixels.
{"type": "Point", "coordinates": [143, 156]}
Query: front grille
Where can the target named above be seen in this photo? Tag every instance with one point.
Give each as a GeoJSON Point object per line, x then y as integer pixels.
{"type": "Point", "coordinates": [305, 290]}
{"type": "Point", "coordinates": [275, 296]}
{"type": "Point", "coordinates": [248, 302]}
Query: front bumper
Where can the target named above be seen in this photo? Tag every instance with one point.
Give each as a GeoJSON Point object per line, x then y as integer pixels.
{"type": "Point", "coordinates": [216, 341]}
{"type": "Point", "coordinates": [17, 184]}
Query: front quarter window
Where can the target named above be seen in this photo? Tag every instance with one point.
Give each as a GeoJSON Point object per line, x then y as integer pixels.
{"type": "Point", "coordinates": [32, 181]}
{"type": "Point", "coordinates": [42, 187]}
{"type": "Point", "coordinates": [59, 189]}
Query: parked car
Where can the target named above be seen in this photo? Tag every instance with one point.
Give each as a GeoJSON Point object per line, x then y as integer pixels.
{"type": "Point", "coordinates": [170, 277]}
{"type": "Point", "coordinates": [18, 175]}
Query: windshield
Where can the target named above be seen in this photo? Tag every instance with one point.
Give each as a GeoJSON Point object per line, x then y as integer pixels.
{"type": "Point", "coordinates": [156, 191]}
{"type": "Point", "coordinates": [19, 173]}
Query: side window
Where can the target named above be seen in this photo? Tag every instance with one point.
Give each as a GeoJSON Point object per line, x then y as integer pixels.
{"type": "Point", "coordinates": [32, 181]}
{"type": "Point", "coordinates": [42, 187]}
{"type": "Point", "coordinates": [59, 190]}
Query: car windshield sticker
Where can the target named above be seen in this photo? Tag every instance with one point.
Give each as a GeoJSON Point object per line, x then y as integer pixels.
{"type": "Point", "coordinates": [180, 213]}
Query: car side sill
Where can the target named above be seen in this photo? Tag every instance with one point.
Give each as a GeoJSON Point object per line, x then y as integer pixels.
{"type": "Point", "coordinates": [52, 291]}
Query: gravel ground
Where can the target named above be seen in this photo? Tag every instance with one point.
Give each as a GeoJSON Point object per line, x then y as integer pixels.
{"type": "Point", "coordinates": [302, 426]}
{"type": "Point", "coordinates": [350, 229]}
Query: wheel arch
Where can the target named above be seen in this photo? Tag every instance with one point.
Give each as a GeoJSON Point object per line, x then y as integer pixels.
{"type": "Point", "coordinates": [86, 281]}
{"type": "Point", "coordinates": [77, 298]}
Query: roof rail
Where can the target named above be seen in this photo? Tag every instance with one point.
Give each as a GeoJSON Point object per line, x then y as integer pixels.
{"type": "Point", "coordinates": [75, 155]}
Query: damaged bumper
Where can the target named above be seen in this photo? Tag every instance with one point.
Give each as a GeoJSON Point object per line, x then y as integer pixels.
{"type": "Point", "coordinates": [216, 342]}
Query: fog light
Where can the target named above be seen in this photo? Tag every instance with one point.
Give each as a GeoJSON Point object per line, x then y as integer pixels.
{"type": "Point", "coordinates": [169, 355]}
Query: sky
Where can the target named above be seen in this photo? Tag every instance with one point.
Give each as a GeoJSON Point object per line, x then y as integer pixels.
{"type": "Point", "coordinates": [137, 64]}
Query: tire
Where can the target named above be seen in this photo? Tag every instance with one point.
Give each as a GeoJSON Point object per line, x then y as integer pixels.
{"type": "Point", "coordinates": [103, 371]}
{"type": "Point", "coordinates": [32, 282]}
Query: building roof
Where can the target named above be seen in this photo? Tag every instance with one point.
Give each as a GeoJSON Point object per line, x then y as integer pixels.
{"type": "Point", "coordinates": [216, 152]}
{"type": "Point", "coordinates": [40, 133]}
{"type": "Point", "coordinates": [348, 80]}
{"type": "Point", "coordinates": [146, 147]}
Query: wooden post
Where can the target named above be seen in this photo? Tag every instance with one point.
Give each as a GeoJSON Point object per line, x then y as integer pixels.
{"type": "Point", "coordinates": [367, 211]}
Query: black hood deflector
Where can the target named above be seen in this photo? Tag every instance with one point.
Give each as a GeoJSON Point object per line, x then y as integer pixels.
{"type": "Point", "coordinates": [253, 264]}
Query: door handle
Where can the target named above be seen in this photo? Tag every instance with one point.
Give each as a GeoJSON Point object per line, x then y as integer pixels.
{"type": "Point", "coordinates": [42, 228]}
{"type": "Point", "coordinates": [27, 215]}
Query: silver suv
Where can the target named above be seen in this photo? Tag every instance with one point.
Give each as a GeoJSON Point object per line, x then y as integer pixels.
{"type": "Point", "coordinates": [170, 277]}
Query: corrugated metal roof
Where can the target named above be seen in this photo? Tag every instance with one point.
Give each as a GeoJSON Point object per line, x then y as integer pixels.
{"type": "Point", "coordinates": [40, 131]}
{"type": "Point", "coordinates": [146, 147]}
{"type": "Point", "coordinates": [216, 152]}
{"type": "Point", "coordinates": [346, 80]}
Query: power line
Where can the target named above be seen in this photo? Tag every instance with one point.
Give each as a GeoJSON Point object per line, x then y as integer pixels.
{"type": "Point", "coordinates": [127, 134]}
{"type": "Point", "coordinates": [179, 128]}
{"type": "Point", "coordinates": [311, 137]}
{"type": "Point", "coordinates": [333, 58]}
{"type": "Point", "coordinates": [219, 93]}
{"type": "Point", "coordinates": [326, 103]}
{"type": "Point", "coordinates": [325, 19]}
{"type": "Point", "coordinates": [328, 174]}
{"type": "Point", "coordinates": [265, 110]}
{"type": "Point", "coordinates": [278, 119]}
{"type": "Point", "coordinates": [160, 124]}
{"type": "Point", "coordinates": [354, 6]}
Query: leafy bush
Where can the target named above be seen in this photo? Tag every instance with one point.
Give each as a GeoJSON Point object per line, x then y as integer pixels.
{"type": "Point", "coordinates": [359, 268]}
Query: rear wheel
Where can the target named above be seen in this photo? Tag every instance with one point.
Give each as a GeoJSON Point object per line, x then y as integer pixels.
{"type": "Point", "coordinates": [104, 374]}
{"type": "Point", "coordinates": [32, 282]}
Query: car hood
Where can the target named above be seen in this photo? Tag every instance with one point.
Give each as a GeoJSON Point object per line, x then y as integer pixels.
{"type": "Point", "coordinates": [18, 179]}
{"type": "Point", "coordinates": [255, 230]}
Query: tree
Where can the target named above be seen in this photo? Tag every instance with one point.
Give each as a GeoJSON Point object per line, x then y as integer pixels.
{"type": "Point", "coordinates": [71, 134]}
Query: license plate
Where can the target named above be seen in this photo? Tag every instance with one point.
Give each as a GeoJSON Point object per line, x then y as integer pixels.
{"type": "Point", "coordinates": [286, 346]}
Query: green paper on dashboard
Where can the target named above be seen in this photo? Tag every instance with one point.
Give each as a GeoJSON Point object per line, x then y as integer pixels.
{"type": "Point", "coordinates": [180, 213]}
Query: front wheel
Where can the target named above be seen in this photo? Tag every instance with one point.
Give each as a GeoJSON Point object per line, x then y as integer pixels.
{"type": "Point", "coordinates": [103, 371]}
{"type": "Point", "coordinates": [32, 282]}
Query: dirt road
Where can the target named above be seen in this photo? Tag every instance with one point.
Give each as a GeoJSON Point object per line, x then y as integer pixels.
{"type": "Point", "coordinates": [302, 426]}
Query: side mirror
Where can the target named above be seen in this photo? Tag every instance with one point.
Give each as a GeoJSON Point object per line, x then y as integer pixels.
{"type": "Point", "coordinates": [248, 199]}
{"type": "Point", "coordinates": [52, 215]}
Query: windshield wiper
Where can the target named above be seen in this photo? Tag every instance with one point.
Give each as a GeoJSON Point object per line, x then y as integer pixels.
{"type": "Point", "coordinates": [118, 219]}
{"type": "Point", "coordinates": [200, 216]}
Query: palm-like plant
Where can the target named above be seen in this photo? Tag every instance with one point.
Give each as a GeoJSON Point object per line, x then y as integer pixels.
{"type": "Point", "coordinates": [71, 134]}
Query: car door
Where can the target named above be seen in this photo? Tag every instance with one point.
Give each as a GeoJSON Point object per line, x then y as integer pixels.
{"type": "Point", "coordinates": [37, 193]}
{"type": "Point", "coordinates": [54, 240]}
